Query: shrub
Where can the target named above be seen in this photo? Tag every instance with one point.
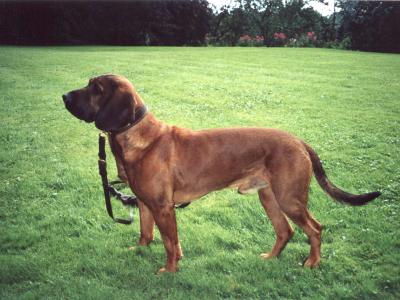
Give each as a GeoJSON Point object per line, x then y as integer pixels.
{"type": "Point", "coordinates": [344, 44]}
{"type": "Point", "coordinates": [305, 40]}
{"type": "Point", "coordinates": [279, 39]}
{"type": "Point", "coordinates": [246, 40]}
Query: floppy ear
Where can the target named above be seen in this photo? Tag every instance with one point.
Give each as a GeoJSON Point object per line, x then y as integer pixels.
{"type": "Point", "coordinates": [116, 112]}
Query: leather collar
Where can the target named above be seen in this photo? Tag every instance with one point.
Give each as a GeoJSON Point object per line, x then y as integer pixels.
{"type": "Point", "coordinates": [137, 117]}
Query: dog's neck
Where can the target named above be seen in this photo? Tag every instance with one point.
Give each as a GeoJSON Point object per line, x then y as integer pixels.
{"type": "Point", "coordinates": [140, 136]}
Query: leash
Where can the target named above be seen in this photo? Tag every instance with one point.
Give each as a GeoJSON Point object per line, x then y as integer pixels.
{"type": "Point", "coordinates": [108, 188]}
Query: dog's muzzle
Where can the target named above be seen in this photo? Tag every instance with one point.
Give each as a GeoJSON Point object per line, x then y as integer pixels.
{"type": "Point", "coordinates": [66, 98]}
{"type": "Point", "coordinates": [74, 108]}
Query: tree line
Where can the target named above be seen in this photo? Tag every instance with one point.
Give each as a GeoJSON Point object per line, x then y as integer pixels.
{"type": "Point", "coordinates": [104, 22]}
{"type": "Point", "coordinates": [361, 25]}
{"type": "Point", "coordinates": [358, 25]}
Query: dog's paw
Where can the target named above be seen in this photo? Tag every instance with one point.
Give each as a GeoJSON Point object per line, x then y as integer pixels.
{"type": "Point", "coordinates": [144, 241]}
{"type": "Point", "coordinates": [167, 270]}
{"type": "Point", "coordinates": [268, 255]}
{"type": "Point", "coordinates": [311, 262]}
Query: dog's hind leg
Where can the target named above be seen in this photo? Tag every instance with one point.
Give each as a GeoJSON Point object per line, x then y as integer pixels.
{"type": "Point", "coordinates": [317, 225]}
{"type": "Point", "coordinates": [299, 214]}
{"type": "Point", "coordinates": [283, 230]}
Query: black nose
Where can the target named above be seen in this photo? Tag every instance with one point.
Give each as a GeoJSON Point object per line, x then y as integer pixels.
{"type": "Point", "coordinates": [65, 98]}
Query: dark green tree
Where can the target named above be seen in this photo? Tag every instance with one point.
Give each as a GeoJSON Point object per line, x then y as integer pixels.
{"type": "Point", "coordinates": [105, 22]}
{"type": "Point", "coordinates": [228, 25]}
{"type": "Point", "coordinates": [371, 26]}
{"type": "Point", "coordinates": [264, 16]}
{"type": "Point", "coordinates": [296, 19]}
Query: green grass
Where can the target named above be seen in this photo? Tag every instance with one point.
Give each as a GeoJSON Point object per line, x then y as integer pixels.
{"type": "Point", "coordinates": [57, 242]}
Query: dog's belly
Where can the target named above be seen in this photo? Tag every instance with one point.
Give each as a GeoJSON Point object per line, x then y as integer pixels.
{"type": "Point", "coordinates": [187, 196]}
{"type": "Point", "coordinates": [201, 187]}
{"type": "Point", "coordinates": [249, 182]}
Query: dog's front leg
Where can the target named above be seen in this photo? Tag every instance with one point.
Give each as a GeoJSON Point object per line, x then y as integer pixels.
{"type": "Point", "coordinates": [117, 155]}
{"type": "Point", "coordinates": [146, 225]}
{"type": "Point", "coordinates": [165, 219]}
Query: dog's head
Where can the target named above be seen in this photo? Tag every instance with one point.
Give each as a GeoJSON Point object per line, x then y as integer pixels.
{"type": "Point", "coordinates": [107, 100]}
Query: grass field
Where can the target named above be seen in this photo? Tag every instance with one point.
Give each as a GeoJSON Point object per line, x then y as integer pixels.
{"type": "Point", "coordinates": [57, 242]}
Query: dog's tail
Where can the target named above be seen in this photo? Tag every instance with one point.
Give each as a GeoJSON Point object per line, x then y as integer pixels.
{"type": "Point", "coordinates": [332, 190]}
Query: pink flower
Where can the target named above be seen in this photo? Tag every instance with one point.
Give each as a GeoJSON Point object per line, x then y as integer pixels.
{"type": "Point", "coordinates": [245, 38]}
{"type": "Point", "coordinates": [279, 36]}
{"type": "Point", "coordinates": [311, 35]}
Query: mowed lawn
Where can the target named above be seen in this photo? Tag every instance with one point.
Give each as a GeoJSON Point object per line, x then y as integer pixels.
{"type": "Point", "coordinates": [57, 242]}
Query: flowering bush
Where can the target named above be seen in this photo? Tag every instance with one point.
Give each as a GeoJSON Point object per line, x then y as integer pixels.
{"type": "Point", "coordinates": [279, 36]}
{"type": "Point", "coordinates": [279, 39]}
{"type": "Point", "coordinates": [247, 40]}
{"type": "Point", "coordinates": [311, 36]}
{"type": "Point", "coordinates": [258, 40]}
{"type": "Point", "coordinates": [305, 40]}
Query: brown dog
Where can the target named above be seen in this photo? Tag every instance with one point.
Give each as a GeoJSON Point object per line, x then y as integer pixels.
{"type": "Point", "coordinates": [166, 165]}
